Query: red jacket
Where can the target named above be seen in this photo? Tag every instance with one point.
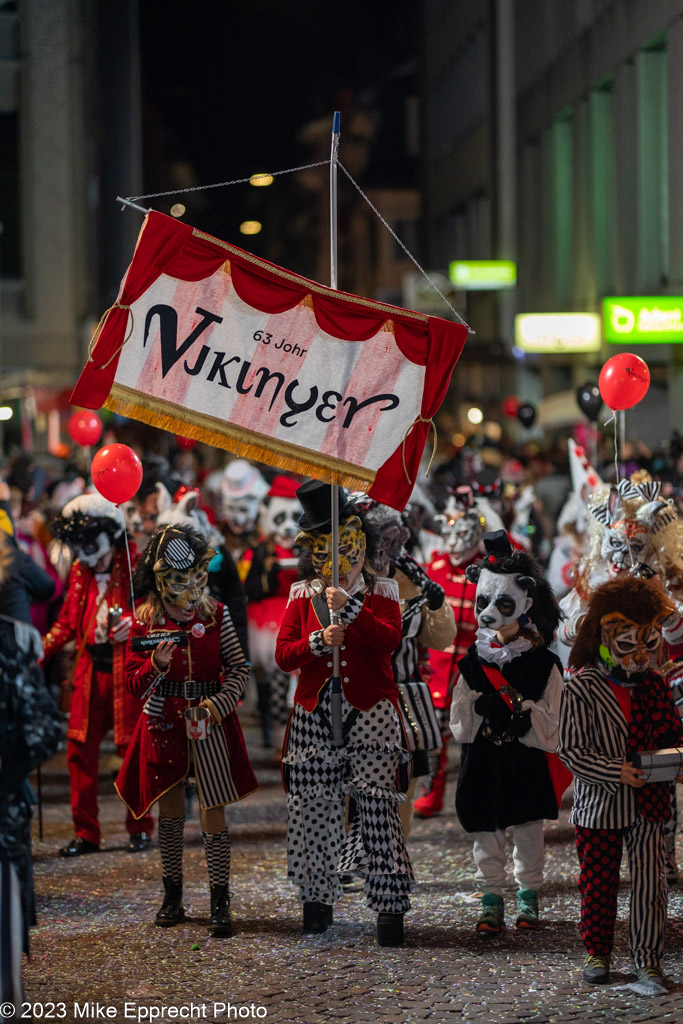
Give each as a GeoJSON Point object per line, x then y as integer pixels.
{"type": "Point", "coordinates": [460, 595]}
{"type": "Point", "coordinates": [365, 656]}
{"type": "Point", "coordinates": [158, 756]}
{"type": "Point", "coordinates": [78, 615]}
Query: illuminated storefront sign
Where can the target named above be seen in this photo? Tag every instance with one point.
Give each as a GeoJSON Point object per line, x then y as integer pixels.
{"type": "Point", "coordinates": [483, 275]}
{"type": "Point", "coordinates": [558, 332]}
{"type": "Point", "coordinates": [649, 320]}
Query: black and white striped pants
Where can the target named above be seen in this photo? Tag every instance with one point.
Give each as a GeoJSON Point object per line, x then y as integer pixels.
{"type": "Point", "coordinates": [600, 852]}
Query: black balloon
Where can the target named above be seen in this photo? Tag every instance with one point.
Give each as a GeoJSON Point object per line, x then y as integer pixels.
{"type": "Point", "coordinates": [589, 400]}
{"type": "Point", "coordinates": [526, 414]}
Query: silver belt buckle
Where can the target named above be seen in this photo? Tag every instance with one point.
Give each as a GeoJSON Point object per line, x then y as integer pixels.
{"type": "Point", "coordinates": [186, 694]}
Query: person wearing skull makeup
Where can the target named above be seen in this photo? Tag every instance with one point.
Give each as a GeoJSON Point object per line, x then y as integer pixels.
{"type": "Point", "coordinates": [99, 582]}
{"type": "Point", "coordinates": [317, 774]}
{"type": "Point", "coordinates": [272, 571]}
{"type": "Point", "coordinates": [463, 523]}
{"type": "Point", "coordinates": [616, 705]}
{"type": "Point", "coordinates": [207, 670]}
{"type": "Point", "coordinates": [505, 713]}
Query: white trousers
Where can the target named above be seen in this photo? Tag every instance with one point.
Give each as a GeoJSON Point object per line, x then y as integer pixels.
{"type": "Point", "coordinates": [490, 857]}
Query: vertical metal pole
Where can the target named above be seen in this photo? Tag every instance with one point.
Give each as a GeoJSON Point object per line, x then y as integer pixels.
{"type": "Point", "coordinates": [336, 709]}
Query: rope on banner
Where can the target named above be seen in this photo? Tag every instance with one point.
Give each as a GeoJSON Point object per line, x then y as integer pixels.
{"type": "Point", "coordinates": [130, 200]}
{"type": "Point", "coordinates": [405, 249]}
{"type": "Point", "coordinates": [98, 330]}
{"type": "Point", "coordinates": [223, 184]}
{"type": "Point", "coordinates": [432, 427]}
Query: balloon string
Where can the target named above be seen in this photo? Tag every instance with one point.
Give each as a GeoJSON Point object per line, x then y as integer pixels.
{"type": "Point", "coordinates": [130, 574]}
{"type": "Point", "coordinates": [613, 419]}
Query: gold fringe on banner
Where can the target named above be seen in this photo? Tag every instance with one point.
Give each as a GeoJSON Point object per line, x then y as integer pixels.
{"type": "Point", "coordinates": [238, 440]}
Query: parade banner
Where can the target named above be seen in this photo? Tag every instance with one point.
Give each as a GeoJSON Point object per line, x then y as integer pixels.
{"type": "Point", "coordinates": [211, 342]}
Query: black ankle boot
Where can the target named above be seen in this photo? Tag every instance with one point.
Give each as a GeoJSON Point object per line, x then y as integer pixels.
{"type": "Point", "coordinates": [317, 917]}
{"type": "Point", "coordinates": [171, 910]}
{"type": "Point", "coordinates": [220, 924]}
{"type": "Point", "coordinates": [389, 929]}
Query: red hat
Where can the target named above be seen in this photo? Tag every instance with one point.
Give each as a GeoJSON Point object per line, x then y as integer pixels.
{"type": "Point", "coordinates": [283, 487]}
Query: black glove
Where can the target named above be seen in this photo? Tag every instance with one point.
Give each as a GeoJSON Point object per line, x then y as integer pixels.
{"type": "Point", "coordinates": [435, 595]}
{"type": "Point", "coordinates": [520, 724]}
{"type": "Point", "coordinates": [494, 711]}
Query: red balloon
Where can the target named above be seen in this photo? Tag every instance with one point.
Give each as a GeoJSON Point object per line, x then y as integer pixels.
{"type": "Point", "coordinates": [624, 380]}
{"type": "Point", "coordinates": [116, 472]}
{"type": "Point", "coordinates": [186, 443]}
{"type": "Point", "coordinates": [85, 427]}
{"type": "Point", "coordinates": [511, 406]}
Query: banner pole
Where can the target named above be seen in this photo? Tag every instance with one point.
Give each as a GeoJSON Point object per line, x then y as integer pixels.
{"type": "Point", "coordinates": [336, 690]}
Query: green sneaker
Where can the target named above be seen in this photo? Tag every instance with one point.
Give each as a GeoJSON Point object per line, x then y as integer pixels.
{"type": "Point", "coordinates": [527, 909]}
{"type": "Point", "coordinates": [651, 981]}
{"type": "Point", "coordinates": [596, 969]}
{"type": "Point", "coordinates": [492, 917]}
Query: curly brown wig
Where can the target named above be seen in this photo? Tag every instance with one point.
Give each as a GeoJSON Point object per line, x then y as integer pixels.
{"type": "Point", "coordinates": [640, 600]}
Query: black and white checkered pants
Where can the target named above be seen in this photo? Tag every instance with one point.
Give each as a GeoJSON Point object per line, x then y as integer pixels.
{"type": "Point", "coordinates": [319, 778]}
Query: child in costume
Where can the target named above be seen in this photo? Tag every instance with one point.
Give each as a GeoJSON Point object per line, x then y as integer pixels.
{"type": "Point", "coordinates": [505, 713]}
{"type": "Point", "coordinates": [319, 775]}
{"type": "Point", "coordinates": [99, 583]}
{"type": "Point", "coordinates": [209, 671]}
{"type": "Point", "coordinates": [615, 705]}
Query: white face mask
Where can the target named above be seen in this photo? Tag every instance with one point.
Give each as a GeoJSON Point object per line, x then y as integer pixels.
{"type": "Point", "coordinates": [93, 552]}
{"type": "Point", "coordinates": [500, 600]}
{"type": "Point", "coordinates": [240, 514]}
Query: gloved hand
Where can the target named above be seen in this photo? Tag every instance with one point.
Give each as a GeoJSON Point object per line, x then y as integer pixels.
{"type": "Point", "coordinates": [494, 711]}
{"type": "Point", "coordinates": [435, 595]}
{"type": "Point", "coordinates": [520, 724]}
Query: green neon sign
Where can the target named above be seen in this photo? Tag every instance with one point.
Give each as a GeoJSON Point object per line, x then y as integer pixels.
{"type": "Point", "coordinates": [644, 320]}
{"type": "Point", "coordinates": [483, 275]}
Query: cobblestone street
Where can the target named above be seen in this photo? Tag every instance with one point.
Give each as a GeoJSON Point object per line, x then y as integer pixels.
{"type": "Point", "coordinates": [96, 942]}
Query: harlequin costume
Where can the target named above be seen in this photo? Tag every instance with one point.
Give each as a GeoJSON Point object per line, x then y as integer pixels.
{"type": "Point", "coordinates": [210, 672]}
{"type": "Point", "coordinates": [319, 775]}
{"type": "Point", "coordinates": [505, 714]}
{"type": "Point", "coordinates": [616, 704]}
{"type": "Point", "coordinates": [93, 527]}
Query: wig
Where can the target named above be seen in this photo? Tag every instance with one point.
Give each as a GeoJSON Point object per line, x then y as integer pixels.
{"type": "Point", "coordinates": [640, 600]}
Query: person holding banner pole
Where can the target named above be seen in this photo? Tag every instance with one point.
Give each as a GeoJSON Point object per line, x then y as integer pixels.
{"type": "Point", "coordinates": [370, 764]}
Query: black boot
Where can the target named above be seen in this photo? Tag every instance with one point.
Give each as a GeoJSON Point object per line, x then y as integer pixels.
{"type": "Point", "coordinates": [317, 917]}
{"type": "Point", "coordinates": [220, 924]}
{"type": "Point", "coordinates": [171, 910]}
{"type": "Point", "coordinates": [263, 703]}
{"type": "Point", "coordinates": [389, 929]}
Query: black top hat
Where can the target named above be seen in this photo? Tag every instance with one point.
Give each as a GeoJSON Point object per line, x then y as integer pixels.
{"type": "Point", "coordinates": [316, 501]}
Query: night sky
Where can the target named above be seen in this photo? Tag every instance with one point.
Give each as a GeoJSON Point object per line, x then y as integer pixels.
{"type": "Point", "coordinates": [228, 84]}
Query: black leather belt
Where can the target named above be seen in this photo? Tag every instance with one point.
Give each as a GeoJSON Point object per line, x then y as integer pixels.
{"type": "Point", "coordinates": [191, 689]}
{"type": "Point", "coordinates": [102, 657]}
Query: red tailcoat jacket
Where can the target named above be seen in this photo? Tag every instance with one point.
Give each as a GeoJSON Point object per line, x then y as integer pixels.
{"type": "Point", "coordinates": [365, 656]}
{"type": "Point", "coordinates": [77, 615]}
{"type": "Point", "coordinates": [158, 756]}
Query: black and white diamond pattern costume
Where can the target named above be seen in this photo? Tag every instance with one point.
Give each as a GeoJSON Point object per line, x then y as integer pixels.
{"type": "Point", "coordinates": [319, 776]}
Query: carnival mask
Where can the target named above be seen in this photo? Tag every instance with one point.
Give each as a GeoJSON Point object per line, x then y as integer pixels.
{"type": "Point", "coordinates": [501, 599]}
{"type": "Point", "coordinates": [94, 549]}
{"type": "Point", "coordinates": [241, 514]}
{"type": "Point", "coordinates": [630, 646]}
{"type": "Point", "coordinates": [392, 537]}
{"type": "Point", "coordinates": [181, 574]}
{"type": "Point", "coordinates": [626, 542]}
{"type": "Point", "coordinates": [351, 551]}
{"type": "Point", "coordinates": [281, 520]}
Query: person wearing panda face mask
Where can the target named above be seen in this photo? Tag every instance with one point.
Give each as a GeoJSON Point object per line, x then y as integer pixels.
{"type": "Point", "coordinates": [505, 713]}
{"type": "Point", "coordinates": [98, 594]}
